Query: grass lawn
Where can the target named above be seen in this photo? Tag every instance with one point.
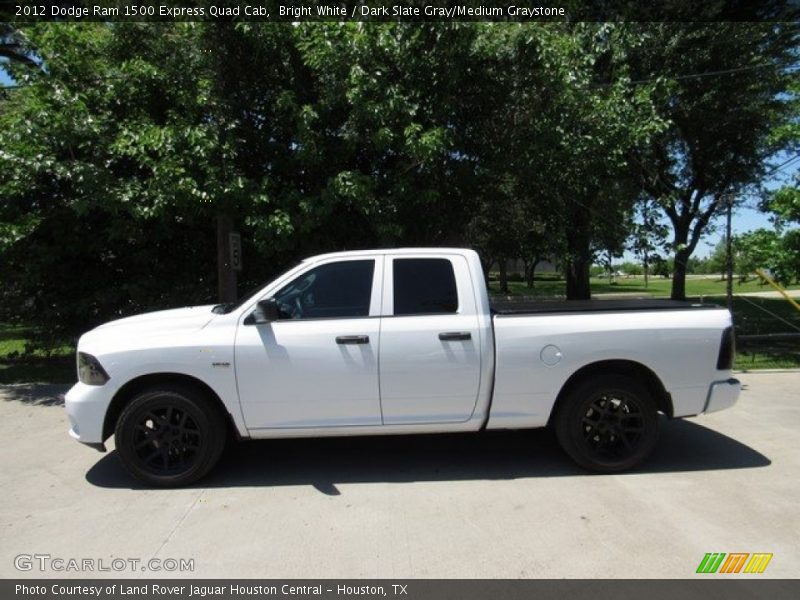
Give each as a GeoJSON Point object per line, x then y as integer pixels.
{"type": "Point", "coordinates": [18, 367]}
{"type": "Point", "coordinates": [695, 286]}
{"type": "Point", "coordinates": [753, 316]}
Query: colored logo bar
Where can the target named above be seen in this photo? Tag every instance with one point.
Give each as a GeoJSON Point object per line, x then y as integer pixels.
{"type": "Point", "coordinates": [734, 562]}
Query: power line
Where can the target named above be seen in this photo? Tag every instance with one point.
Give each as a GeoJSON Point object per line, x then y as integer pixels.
{"type": "Point", "coordinates": [720, 72]}
{"type": "Point", "coordinates": [633, 82]}
{"type": "Point", "coordinates": [702, 74]}
{"type": "Point", "coordinates": [781, 166]}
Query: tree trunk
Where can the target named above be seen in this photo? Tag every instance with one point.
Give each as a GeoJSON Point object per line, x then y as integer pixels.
{"type": "Point", "coordinates": [679, 275]}
{"type": "Point", "coordinates": [530, 272]}
{"type": "Point", "coordinates": [646, 268]}
{"type": "Point", "coordinates": [684, 246]}
{"type": "Point", "coordinates": [682, 254]}
{"type": "Point", "coordinates": [226, 276]}
{"type": "Point", "coordinates": [526, 266]}
{"type": "Point", "coordinates": [579, 258]}
{"type": "Point", "coordinates": [503, 263]}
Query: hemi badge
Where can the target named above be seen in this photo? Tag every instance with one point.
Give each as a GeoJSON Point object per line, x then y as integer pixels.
{"type": "Point", "coordinates": [220, 364]}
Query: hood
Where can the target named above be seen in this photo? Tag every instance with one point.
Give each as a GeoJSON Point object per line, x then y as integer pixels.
{"type": "Point", "coordinates": [163, 321]}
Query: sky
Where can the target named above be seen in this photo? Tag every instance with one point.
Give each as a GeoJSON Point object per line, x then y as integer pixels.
{"type": "Point", "coordinates": [744, 218]}
{"type": "Point", "coordinates": [747, 218]}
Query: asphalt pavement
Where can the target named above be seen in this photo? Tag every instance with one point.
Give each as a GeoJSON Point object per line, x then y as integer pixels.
{"type": "Point", "coordinates": [506, 504]}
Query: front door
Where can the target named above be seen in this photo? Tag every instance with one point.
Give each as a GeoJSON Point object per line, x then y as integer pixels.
{"type": "Point", "coordinates": [317, 366]}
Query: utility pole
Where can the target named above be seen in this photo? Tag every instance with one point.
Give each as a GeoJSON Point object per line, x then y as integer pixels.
{"type": "Point", "coordinates": [729, 253]}
{"type": "Point", "coordinates": [226, 273]}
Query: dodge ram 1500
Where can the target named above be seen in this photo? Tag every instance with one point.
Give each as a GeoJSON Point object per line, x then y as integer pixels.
{"type": "Point", "coordinates": [395, 342]}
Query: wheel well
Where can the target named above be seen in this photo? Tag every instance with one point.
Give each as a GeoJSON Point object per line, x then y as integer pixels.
{"type": "Point", "coordinates": [623, 367]}
{"type": "Point", "coordinates": [128, 391]}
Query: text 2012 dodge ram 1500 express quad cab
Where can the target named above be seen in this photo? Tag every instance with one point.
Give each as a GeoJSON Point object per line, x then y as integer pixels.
{"type": "Point", "coordinates": [394, 342]}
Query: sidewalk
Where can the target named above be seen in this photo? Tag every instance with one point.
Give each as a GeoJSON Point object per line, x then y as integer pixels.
{"type": "Point", "coordinates": [769, 294]}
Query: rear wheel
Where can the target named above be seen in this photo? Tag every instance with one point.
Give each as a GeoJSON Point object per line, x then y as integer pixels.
{"type": "Point", "coordinates": [608, 423]}
{"type": "Point", "coordinates": [170, 436]}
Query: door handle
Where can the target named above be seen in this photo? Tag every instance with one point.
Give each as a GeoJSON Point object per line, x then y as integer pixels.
{"type": "Point", "coordinates": [352, 339]}
{"type": "Point", "coordinates": [455, 336]}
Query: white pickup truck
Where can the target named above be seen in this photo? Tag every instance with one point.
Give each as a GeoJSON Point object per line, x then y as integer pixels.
{"type": "Point", "coordinates": [395, 342]}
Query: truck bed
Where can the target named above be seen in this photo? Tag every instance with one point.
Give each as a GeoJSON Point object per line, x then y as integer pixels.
{"type": "Point", "coordinates": [527, 307]}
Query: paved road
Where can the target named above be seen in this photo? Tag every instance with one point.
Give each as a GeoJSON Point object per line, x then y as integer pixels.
{"type": "Point", "coordinates": [764, 294]}
{"type": "Point", "coordinates": [499, 505]}
{"type": "Point", "coordinates": [770, 294]}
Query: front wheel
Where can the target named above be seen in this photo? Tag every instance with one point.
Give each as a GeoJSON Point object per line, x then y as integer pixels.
{"type": "Point", "coordinates": [169, 436]}
{"type": "Point", "coordinates": [608, 423]}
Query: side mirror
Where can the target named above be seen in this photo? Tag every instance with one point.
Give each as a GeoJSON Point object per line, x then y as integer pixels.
{"type": "Point", "coordinates": [266, 311]}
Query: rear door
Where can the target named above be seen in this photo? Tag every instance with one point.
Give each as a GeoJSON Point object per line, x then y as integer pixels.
{"type": "Point", "coordinates": [430, 362]}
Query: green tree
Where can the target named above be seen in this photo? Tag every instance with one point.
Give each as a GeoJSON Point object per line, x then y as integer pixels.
{"type": "Point", "coordinates": [542, 240]}
{"type": "Point", "coordinates": [123, 150]}
{"type": "Point", "coordinates": [789, 269]}
{"type": "Point", "coordinates": [560, 118]}
{"type": "Point", "coordinates": [647, 235]}
{"type": "Point", "coordinates": [726, 90]}
{"type": "Point", "coordinates": [632, 268]}
{"type": "Point", "coordinates": [148, 137]}
{"type": "Point", "coordinates": [754, 250]}
{"type": "Point", "coordinates": [717, 260]}
{"type": "Point", "coordinates": [600, 121]}
{"type": "Point", "coordinates": [381, 135]}
{"type": "Point", "coordinates": [784, 203]}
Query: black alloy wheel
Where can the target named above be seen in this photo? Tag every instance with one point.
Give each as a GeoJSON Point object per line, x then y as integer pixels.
{"type": "Point", "coordinates": [167, 439]}
{"type": "Point", "coordinates": [170, 436]}
{"type": "Point", "coordinates": [608, 423]}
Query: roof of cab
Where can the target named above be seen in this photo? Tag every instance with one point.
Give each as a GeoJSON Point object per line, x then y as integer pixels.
{"type": "Point", "coordinates": [381, 251]}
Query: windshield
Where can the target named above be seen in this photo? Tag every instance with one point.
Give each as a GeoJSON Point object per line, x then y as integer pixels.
{"type": "Point", "coordinates": [225, 308]}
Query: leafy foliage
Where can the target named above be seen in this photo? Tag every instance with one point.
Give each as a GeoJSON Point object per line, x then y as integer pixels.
{"type": "Point", "coordinates": [725, 90]}
{"type": "Point", "coordinates": [784, 203]}
{"type": "Point", "coordinates": [768, 249]}
{"type": "Point", "coordinates": [523, 140]}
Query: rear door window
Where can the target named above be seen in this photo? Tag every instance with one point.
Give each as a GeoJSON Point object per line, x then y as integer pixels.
{"type": "Point", "coordinates": [424, 286]}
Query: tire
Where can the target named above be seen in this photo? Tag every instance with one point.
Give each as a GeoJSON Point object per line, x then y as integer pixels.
{"type": "Point", "coordinates": [608, 423]}
{"type": "Point", "coordinates": [170, 435]}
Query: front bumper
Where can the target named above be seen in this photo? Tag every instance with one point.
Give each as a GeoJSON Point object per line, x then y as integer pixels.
{"type": "Point", "coordinates": [86, 407]}
{"type": "Point", "coordinates": [722, 395]}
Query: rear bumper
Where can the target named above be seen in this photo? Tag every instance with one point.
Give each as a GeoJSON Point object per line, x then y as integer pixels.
{"type": "Point", "coordinates": [722, 395]}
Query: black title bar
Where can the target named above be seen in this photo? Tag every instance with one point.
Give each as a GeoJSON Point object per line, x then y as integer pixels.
{"type": "Point", "coordinates": [397, 10]}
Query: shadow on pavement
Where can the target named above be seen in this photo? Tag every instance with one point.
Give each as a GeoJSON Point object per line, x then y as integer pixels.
{"type": "Point", "coordinates": [35, 394]}
{"type": "Point", "coordinates": [322, 463]}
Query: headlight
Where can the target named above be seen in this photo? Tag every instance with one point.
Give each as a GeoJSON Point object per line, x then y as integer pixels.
{"type": "Point", "coordinates": [90, 371]}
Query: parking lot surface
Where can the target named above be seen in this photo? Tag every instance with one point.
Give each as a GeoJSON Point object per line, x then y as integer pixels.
{"type": "Point", "coordinates": [506, 504]}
